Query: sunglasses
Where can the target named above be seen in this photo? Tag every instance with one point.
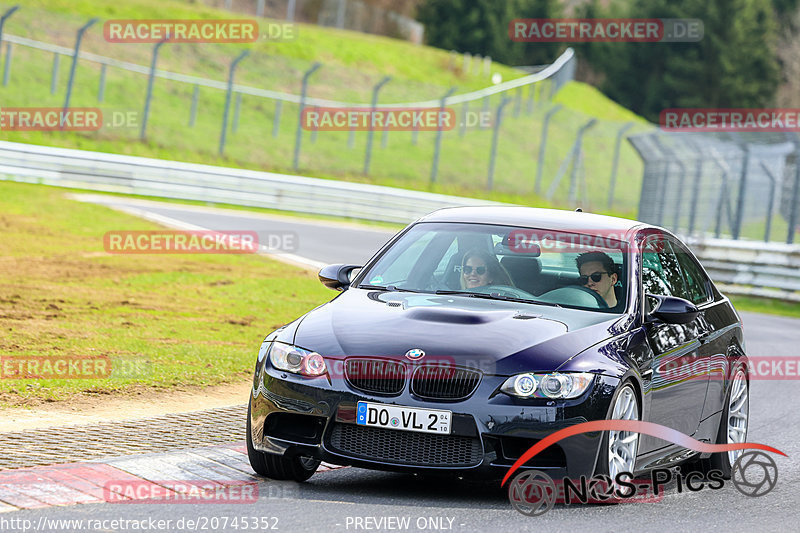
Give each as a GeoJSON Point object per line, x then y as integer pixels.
{"type": "Point", "coordinates": [596, 277]}
{"type": "Point", "coordinates": [478, 270]}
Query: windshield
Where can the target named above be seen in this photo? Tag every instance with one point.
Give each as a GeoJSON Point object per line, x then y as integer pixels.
{"type": "Point", "coordinates": [583, 271]}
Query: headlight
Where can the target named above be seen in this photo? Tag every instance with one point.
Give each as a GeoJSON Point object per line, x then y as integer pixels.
{"type": "Point", "coordinates": [555, 385]}
{"type": "Point", "coordinates": [296, 360]}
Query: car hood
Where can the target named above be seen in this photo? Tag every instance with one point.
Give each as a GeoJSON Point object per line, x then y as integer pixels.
{"type": "Point", "coordinates": [499, 337]}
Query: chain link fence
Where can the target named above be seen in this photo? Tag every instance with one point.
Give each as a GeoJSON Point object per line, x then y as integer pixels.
{"type": "Point", "coordinates": [727, 185]}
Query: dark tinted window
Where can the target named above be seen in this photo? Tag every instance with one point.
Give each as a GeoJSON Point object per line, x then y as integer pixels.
{"type": "Point", "coordinates": [661, 272]}
{"type": "Point", "coordinates": [696, 280]}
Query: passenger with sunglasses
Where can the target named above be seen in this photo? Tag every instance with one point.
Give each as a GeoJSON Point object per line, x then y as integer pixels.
{"type": "Point", "coordinates": [479, 268]}
{"type": "Point", "coordinates": [598, 273]}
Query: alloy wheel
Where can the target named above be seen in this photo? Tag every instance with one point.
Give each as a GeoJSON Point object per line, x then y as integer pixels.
{"type": "Point", "coordinates": [738, 411]}
{"type": "Point", "coordinates": [622, 445]}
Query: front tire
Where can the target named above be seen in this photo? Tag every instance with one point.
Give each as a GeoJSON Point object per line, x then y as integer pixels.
{"type": "Point", "coordinates": [619, 448]}
{"type": "Point", "coordinates": [280, 467]}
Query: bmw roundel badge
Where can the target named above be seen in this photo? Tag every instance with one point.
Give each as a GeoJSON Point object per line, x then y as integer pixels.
{"type": "Point", "coordinates": [415, 354]}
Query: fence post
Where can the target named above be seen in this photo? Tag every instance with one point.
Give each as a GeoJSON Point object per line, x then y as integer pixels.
{"type": "Point", "coordinates": [371, 131]}
{"type": "Point", "coordinates": [577, 158]}
{"type": "Point", "coordinates": [314, 131]}
{"type": "Point", "coordinates": [276, 122]}
{"type": "Point", "coordinates": [236, 108]}
{"type": "Point", "coordinates": [737, 226]}
{"type": "Point", "coordinates": [518, 102]}
{"type": "Point", "coordinates": [260, 8]}
{"type": "Point", "coordinates": [531, 93]}
{"type": "Point", "coordinates": [193, 111]}
{"type": "Point", "coordinates": [615, 162]}
{"type": "Point", "coordinates": [150, 81]}
{"type": "Point", "coordinates": [54, 77]}
{"type": "Point", "coordinates": [661, 192]}
{"type": "Point", "coordinates": [438, 146]}
{"type": "Point", "coordinates": [101, 91]}
{"type": "Point", "coordinates": [71, 81]}
{"type": "Point", "coordinates": [542, 147]}
{"type": "Point", "coordinates": [485, 108]}
{"type": "Point", "coordinates": [3, 19]}
{"type": "Point", "coordinates": [290, 10]}
{"type": "Point", "coordinates": [7, 65]}
{"type": "Point", "coordinates": [698, 176]}
{"type": "Point", "coordinates": [303, 89]}
{"type": "Point", "coordinates": [795, 200]}
{"type": "Point", "coordinates": [723, 194]}
{"type": "Point", "coordinates": [678, 202]}
{"type": "Point", "coordinates": [495, 137]}
{"type": "Point", "coordinates": [464, 112]}
{"type": "Point", "coordinates": [771, 207]}
{"type": "Point", "coordinates": [228, 94]}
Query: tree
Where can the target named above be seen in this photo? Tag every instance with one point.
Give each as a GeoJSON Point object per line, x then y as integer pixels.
{"type": "Point", "coordinates": [481, 27]}
{"type": "Point", "coordinates": [734, 65]}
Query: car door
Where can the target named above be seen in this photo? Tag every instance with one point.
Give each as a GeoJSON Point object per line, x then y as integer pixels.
{"type": "Point", "coordinates": [713, 328]}
{"type": "Point", "coordinates": [679, 379]}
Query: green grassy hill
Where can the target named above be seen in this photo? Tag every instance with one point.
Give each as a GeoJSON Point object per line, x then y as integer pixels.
{"type": "Point", "coordinates": [352, 63]}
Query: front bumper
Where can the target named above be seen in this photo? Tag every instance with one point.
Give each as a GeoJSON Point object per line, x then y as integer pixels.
{"type": "Point", "coordinates": [295, 415]}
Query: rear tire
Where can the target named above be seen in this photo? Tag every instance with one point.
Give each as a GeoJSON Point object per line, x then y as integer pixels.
{"type": "Point", "coordinates": [280, 467]}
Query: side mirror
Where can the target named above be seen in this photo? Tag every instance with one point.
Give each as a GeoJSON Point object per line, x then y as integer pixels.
{"type": "Point", "coordinates": [337, 277]}
{"type": "Point", "coordinates": [672, 310]}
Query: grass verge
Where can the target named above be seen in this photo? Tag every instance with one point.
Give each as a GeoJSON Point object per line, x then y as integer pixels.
{"type": "Point", "coordinates": [167, 320]}
{"type": "Point", "coordinates": [764, 305]}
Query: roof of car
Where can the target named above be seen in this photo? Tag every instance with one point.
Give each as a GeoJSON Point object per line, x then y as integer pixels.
{"type": "Point", "coordinates": [534, 217]}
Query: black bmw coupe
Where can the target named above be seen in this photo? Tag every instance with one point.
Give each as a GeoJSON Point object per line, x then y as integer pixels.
{"type": "Point", "coordinates": [476, 332]}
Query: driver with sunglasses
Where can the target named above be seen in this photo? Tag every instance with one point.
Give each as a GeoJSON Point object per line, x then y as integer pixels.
{"type": "Point", "coordinates": [598, 273]}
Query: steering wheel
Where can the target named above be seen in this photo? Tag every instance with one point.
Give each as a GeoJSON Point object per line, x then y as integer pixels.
{"type": "Point", "coordinates": [507, 291]}
{"type": "Point", "coordinates": [601, 303]}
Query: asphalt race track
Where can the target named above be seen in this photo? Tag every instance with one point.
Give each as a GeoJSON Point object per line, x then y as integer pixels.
{"type": "Point", "coordinates": [350, 499]}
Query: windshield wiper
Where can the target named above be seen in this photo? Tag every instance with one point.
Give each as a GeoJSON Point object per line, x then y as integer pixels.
{"type": "Point", "coordinates": [388, 288]}
{"type": "Point", "coordinates": [496, 296]}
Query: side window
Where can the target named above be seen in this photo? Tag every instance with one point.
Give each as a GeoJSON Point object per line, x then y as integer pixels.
{"type": "Point", "coordinates": [661, 272]}
{"type": "Point", "coordinates": [696, 280]}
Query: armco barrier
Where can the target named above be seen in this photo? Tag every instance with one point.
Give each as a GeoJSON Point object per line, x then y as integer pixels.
{"type": "Point", "coordinates": [752, 268]}
{"type": "Point", "coordinates": [187, 181]}
{"type": "Point", "coordinates": [741, 267]}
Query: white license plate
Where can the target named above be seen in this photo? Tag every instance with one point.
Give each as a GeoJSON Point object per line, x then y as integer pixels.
{"type": "Point", "coordinates": [403, 418]}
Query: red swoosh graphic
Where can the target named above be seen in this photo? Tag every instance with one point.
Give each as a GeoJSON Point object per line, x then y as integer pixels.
{"type": "Point", "coordinates": [636, 426]}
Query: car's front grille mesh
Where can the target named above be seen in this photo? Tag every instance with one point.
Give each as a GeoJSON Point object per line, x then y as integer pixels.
{"type": "Point", "coordinates": [376, 376]}
{"type": "Point", "coordinates": [444, 382]}
{"type": "Point", "coordinates": [405, 447]}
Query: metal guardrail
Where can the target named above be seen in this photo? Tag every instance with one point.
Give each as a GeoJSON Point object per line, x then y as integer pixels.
{"type": "Point", "coordinates": [98, 171]}
{"type": "Point", "coordinates": [752, 268]}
